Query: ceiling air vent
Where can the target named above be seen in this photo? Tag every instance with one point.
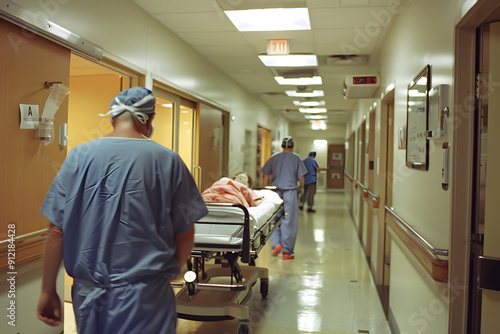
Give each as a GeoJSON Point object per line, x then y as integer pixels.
{"type": "Point", "coordinates": [345, 60]}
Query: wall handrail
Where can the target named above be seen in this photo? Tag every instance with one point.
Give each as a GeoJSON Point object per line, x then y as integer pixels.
{"type": "Point", "coordinates": [435, 251]}
{"type": "Point", "coordinates": [373, 196]}
{"type": "Point", "coordinates": [25, 236]}
{"type": "Point", "coordinates": [362, 186]}
{"type": "Point", "coordinates": [349, 176]}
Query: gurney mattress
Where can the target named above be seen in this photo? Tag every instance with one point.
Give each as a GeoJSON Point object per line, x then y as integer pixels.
{"type": "Point", "coordinates": [216, 229]}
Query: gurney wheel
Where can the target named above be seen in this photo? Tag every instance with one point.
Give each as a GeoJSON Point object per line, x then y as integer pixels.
{"type": "Point", "coordinates": [264, 287]}
{"type": "Point", "coordinates": [244, 328]}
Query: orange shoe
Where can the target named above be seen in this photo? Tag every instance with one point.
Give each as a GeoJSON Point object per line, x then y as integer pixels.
{"type": "Point", "coordinates": [276, 251]}
{"type": "Point", "coordinates": [288, 256]}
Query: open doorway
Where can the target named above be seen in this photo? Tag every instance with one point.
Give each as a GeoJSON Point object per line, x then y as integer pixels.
{"type": "Point", "coordinates": [264, 148]}
{"type": "Point", "coordinates": [93, 87]}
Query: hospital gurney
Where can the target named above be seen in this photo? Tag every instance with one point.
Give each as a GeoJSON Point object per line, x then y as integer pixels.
{"type": "Point", "coordinates": [228, 233]}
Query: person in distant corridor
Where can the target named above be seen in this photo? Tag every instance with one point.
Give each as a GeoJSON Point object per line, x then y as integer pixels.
{"type": "Point", "coordinates": [310, 181]}
{"type": "Point", "coordinates": [284, 169]}
{"type": "Point", "coordinates": [122, 210]}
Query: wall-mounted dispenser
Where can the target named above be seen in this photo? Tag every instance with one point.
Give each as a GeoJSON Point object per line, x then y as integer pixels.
{"type": "Point", "coordinates": [45, 130]}
{"type": "Point", "coordinates": [439, 111]}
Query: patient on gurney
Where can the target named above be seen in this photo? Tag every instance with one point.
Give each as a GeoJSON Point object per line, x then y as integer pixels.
{"type": "Point", "coordinates": [234, 190]}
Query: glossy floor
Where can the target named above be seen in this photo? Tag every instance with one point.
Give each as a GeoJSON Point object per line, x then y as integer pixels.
{"type": "Point", "coordinates": [326, 289]}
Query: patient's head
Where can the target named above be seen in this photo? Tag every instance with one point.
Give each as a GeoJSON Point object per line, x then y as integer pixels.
{"type": "Point", "coordinates": [244, 178]}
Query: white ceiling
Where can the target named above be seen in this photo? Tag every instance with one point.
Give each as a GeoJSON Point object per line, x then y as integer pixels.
{"type": "Point", "coordinates": [335, 25]}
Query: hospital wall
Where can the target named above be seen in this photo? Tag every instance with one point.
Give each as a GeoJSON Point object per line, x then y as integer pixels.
{"type": "Point", "coordinates": [420, 35]}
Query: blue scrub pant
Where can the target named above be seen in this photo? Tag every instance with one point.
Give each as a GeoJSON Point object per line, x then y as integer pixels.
{"type": "Point", "coordinates": [286, 234]}
{"type": "Point", "coordinates": [144, 306]}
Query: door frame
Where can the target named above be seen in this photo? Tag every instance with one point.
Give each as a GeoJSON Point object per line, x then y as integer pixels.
{"type": "Point", "coordinates": [380, 273]}
{"type": "Point", "coordinates": [463, 161]}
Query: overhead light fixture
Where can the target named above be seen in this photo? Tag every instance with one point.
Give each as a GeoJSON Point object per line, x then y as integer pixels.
{"type": "Point", "coordinates": [318, 125]}
{"type": "Point", "coordinates": [270, 19]}
{"type": "Point", "coordinates": [314, 93]}
{"type": "Point", "coordinates": [316, 117]}
{"type": "Point", "coordinates": [309, 103]}
{"type": "Point", "coordinates": [299, 81]}
{"type": "Point", "coordinates": [289, 60]}
{"type": "Point", "coordinates": [313, 110]}
{"type": "Point", "coordinates": [320, 142]}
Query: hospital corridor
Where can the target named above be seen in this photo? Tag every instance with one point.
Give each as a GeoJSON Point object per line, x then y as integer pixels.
{"type": "Point", "coordinates": [326, 289]}
{"type": "Point", "coordinates": [249, 166]}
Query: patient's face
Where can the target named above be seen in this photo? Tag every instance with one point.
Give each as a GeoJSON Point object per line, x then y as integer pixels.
{"type": "Point", "coordinates": [242, 178]}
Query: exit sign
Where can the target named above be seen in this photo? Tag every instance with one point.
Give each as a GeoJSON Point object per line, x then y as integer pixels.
{"type": "Point", "coordinates": [278, 47]}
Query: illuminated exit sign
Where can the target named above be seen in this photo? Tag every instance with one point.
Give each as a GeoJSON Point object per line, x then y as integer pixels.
{"type": "Point", "coordinates": [278, 47]}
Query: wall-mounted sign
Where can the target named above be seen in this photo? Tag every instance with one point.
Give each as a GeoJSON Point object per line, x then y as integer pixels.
{"type": "Point", "coordinates": [278, 47]}
{"type": "Point", "coordinates": [29, 116]}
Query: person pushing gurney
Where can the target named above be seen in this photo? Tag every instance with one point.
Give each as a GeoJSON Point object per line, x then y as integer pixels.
{"type": "Point", "coordinates": [285, 169]}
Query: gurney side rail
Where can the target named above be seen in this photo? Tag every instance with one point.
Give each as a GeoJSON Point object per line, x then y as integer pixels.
{"type": "Point", "coordinates": [212, 286]}
{"type": "Point", "coordinates": [245, 247]}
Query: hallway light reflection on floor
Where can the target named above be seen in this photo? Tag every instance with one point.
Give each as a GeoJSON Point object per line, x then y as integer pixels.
{"type": "Point", "coordinates": [319, 235]}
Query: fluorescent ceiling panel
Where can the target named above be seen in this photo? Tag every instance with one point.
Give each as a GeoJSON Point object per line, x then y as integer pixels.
{"type": "Point", "coordinates": [316, 117]}
{"type": "Point", "coordinates": [312, 110]}
{"type": "Point", "coordinates": [314, 93]}
{"type": "Point", "coordinates": [318, 125]}
{"type": "Point", "coordinates": [289, 60]}
{"type": "Point", "coordinates": [299, 81]}
{"type": "Point", "coordinates": [309, 103]}
{"type": "Point", "coordinates": [270, 19]}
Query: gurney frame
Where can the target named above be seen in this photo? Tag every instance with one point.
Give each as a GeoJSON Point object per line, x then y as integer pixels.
{"type": "Point", "coordinates": [220, 293]}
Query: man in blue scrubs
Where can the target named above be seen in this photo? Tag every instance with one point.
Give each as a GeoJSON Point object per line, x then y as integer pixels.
{"type": "Point", "coordinates": [285, 169]}
{"type": "Point", "coordinates": [310, 181]}
{"type": "Point", "coordinates": [125, 208]}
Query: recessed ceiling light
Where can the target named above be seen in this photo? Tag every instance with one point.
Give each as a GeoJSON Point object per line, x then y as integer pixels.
{"type": "Point", "coordinates": [299, 81]}
{"type": "Point", "coordinates": [312, 110]}
{"type": "Point", "coordinates": [314, 93]}
{"type": "Point", "coordinates": [318, 125]}
{"type": "Point", "coordinates": [289, 60]}
{"type": "Point", "coordinates": [320, 142]}
{"type": "Point", "coordinates": [316, 117]}
{"type": "Point", "coordinates": [309, 103]}
{"type": "Point", "coordinates": [270, 19]}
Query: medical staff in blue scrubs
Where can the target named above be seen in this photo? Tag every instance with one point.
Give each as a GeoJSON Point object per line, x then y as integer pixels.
{"type": "Point", "coordinates": [125, 208]}
{"type": "Point", "coordinates": [285, 169]}
{"type": "Point", "coordinates": [310, 181]}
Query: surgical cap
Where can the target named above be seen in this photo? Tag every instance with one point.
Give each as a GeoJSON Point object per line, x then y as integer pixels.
{"type": "Point", "coordinates": [287, 142]}
{"type": "Point", "coordinates": [139, 101]}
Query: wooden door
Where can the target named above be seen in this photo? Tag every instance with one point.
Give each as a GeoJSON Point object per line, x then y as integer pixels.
{"type": "Point", "coordinates": [28, 165]}
{"type": "Point", "coordinates": [335, 161]}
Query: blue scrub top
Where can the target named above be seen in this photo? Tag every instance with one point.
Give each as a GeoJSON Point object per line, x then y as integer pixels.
{"type": "Point", "coordinates": [120, 202]}
{"type": "Point", "coordinates": [311, 165]}
{"type": "Point", "coordinates": [286, 169]}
